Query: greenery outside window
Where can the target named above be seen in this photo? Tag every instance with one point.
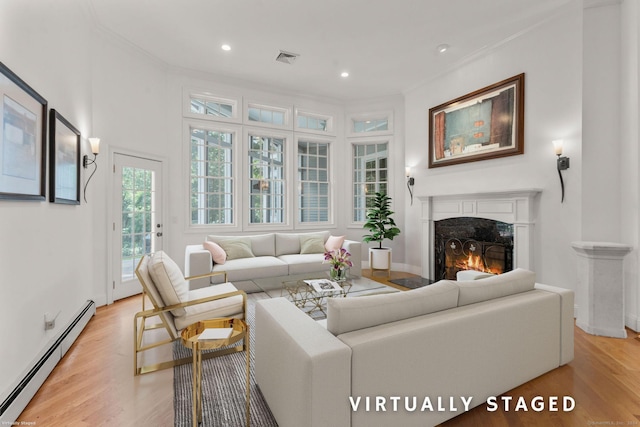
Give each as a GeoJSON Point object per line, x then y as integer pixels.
{"type": "Point", "coordinates": [211, 195]}
{"type": "Point", "coordinates": [267, 186]}
{"type": "Point", "coordinates": [370, 175]}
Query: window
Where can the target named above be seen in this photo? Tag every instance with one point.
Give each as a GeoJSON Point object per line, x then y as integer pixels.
{"type": "Point", "coordinates": [258, 164]}
{"type": "Point", "coordinates": [203, 105]}
{"type": "Point", "coordinates": [269, 115]}
{"type": "Point", "coordinates": [313, 179]}
{"type": "Point", "coordinates": [315, 123]}
{"type": "Point", "coordinates": [375, 125]}
{"type": "Point", "coordinates": [211, 176]}
{"type": "Point", "coordinates": [266, 180]}
{"type": "Point", "coordinates": [370, 174]}
{"type": "Point", "coordinates": [211, 108]}
{"type": "Point", "coordinates": [312, 123]}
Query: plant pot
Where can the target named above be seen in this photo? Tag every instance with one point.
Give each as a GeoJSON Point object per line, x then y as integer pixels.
{"type": "Point", "coordinates": [380, 258]}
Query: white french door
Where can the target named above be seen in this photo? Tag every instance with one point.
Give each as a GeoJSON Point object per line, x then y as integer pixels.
{"type": "Point", "coordinates": [137, 218]}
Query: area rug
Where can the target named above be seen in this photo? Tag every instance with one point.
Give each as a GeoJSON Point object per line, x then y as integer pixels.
{"type": "Point", "coordinates": [412, 282]}
{"type": "Point", "coordinates": [223, 386]}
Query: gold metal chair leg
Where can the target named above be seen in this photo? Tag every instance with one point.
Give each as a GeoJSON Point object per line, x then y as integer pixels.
{"type": "Point", "coordinates": [194, 388]}
{"type": "Point", "coordinates": [246, 338]}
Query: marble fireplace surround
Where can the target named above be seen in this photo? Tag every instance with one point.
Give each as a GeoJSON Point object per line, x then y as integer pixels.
{"type": "Point", "coordinates": [517, 207]}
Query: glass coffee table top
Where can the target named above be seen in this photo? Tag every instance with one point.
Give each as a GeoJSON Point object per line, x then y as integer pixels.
{"type": "Point", "coordinates": [313, 302]}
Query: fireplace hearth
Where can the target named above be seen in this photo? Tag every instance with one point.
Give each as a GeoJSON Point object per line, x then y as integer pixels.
{"type": "Point", "coordinates": [479, 244]}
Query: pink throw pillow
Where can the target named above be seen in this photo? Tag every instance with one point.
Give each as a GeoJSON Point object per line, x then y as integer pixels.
{"type": "Point", "coordinates": [217, 253]}
{"type": "Point", "coordinates": [333, 243]}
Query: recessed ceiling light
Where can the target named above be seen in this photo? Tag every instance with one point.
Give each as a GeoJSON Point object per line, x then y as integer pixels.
{"type": "Point", "coordinates": [225, 47]}
{"type": "Point", "coordinates": [442, 48]}
{"type": "Point", "coordinates": [344, 74]}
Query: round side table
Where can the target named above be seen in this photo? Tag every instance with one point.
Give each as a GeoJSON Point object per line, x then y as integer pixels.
{"type": "Point", "coordinates": [190, 339]}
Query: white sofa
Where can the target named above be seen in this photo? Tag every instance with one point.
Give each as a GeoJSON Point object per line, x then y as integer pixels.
{"type": "Point", "coordinates": [274, 255]}
{"type": "Point", "coordinates": [450, 340]}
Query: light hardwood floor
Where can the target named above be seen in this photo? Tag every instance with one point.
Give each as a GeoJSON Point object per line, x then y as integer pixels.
{"type": "Point", "coordinates": [94, 384]}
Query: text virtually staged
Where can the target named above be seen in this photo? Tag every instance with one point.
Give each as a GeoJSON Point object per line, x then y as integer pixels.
{"type": "Point", "coordinates": [460, 403]}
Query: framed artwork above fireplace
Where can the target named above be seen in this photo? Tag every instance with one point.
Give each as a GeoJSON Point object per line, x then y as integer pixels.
{"type": "Point", "coordinates": [481, 125]}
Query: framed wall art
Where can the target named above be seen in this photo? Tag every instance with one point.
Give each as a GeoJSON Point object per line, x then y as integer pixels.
{"type": "Point", "coordinates": [64, 160]}
{"type": "Point", "coordinates": [23, 145]}
{"type": "Point", "coordinates": [485, 124]}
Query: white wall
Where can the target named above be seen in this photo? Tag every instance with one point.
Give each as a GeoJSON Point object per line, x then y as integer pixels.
{"type": "Point", "coordinates": [630, 161]}
{"type": "Point", "coordinates": [601, 123]}
{"type": "Point", "coordinates": [129, 94]}
{"type": "Point", "coordinates": [550, 57]}
{"type": "Point", "coordinates": [46, 262]}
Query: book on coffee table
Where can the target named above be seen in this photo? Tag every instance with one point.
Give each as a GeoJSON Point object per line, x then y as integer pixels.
{"type": "Point", "coordinates": [323, 285]}
{"type": "Point", "coordinates": [215, 334]}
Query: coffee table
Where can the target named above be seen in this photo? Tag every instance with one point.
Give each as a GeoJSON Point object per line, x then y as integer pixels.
{"type": "Point", "coordinates": [309, 299]}
{"type": "Point", "coordinates": [313, 302]}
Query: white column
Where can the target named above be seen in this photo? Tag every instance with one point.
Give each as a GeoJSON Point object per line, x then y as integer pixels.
{"type": "Point", "coordinates": [600, 293]}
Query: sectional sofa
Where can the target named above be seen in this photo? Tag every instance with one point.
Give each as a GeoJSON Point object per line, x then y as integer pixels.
{"type": "Point", "coordinates": [440, 349]}
{"type": "Point", "coordinates": [264, 256]}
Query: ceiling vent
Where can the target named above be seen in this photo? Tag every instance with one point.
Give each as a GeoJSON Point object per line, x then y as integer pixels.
{"type": "Point", "coordinates": [287, 57]}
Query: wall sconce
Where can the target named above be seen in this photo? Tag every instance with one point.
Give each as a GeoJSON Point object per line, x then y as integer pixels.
{"type": "Point", "coordinates": [410, 182]}
{"type": "Point", "coordinates": [563, 163]}
{"type": "Point", "coordinates": [95, 149]}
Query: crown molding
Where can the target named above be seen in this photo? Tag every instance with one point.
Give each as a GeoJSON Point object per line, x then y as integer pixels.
{"type": "Point", "coordinates": [591, 4]}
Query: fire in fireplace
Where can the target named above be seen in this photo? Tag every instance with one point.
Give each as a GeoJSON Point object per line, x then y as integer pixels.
{"type": "Point", "coordinates": [472, 244]}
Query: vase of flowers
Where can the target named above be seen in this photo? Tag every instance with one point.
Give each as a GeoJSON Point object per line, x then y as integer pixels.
{"type": "Point", "coordinates": [339, 260]}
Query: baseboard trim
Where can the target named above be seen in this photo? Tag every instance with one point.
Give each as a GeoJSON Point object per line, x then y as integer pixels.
{"type": "Point", "coordinates": [632, 322]}
{"type": "Point", "coordinates": [23, 392]}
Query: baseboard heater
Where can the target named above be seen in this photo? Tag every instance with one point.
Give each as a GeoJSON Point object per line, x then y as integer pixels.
{"type": "Point", "coordinates": [27, 387]}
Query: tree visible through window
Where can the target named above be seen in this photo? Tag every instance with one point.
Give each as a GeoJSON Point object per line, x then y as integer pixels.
{"type": "Point", "coordinates": [266, 180]}
{"type": "Point", "coordinates": [370, 175]}
{"type": "Point", "coordinates": [211, 177]}
{"type": "Point", "coordinates": [137, 217]}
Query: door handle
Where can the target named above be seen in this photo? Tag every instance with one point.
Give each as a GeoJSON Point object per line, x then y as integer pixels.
{"type": "Point", "coordinates": [159, 234]}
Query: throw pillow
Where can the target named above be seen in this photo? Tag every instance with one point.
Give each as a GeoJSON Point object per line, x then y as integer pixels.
{"type": "Point", "coordinates": [311, 244]}
{"type": "Point", "coordinates": [334, 243]}
{"type": "Point", "coordinates": [218, 254]}
{"type": "Point", "coordinates": [237, 248]}
{"type": "Point", "coordinates": [169, 281]}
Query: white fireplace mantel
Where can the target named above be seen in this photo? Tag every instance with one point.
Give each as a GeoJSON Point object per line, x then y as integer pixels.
{"type": "Point", "coordinates": [517, 207]}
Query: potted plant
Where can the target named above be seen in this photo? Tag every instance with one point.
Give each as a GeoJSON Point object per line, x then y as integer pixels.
{"type": "Point", "coordinates": [381, 226]}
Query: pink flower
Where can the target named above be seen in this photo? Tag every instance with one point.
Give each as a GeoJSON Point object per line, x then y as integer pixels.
{"type": "Point", "coordinates": [339, 258]}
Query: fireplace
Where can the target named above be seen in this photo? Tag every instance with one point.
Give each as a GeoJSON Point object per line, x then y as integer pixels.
{"type": "Point", "coordinates": [479, 244]}
{"type": "Point", "coordinates": [514, 209]}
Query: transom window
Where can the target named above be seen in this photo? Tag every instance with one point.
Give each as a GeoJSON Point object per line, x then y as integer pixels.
{"type": "Point", "coordinates": [211, 176]}
{"type": "Point", "coordinates": [211, 108]}
{"type": "Point", "coordinates": [266, 180]}
{"type": "Point", "coordinates": [312, 123]}
{"type": "Point", "coordinates": [374, 125]}
{"type": "Point", "coordinates": [370, 175]}
{"type": "Point", "coordinates": [313, 179]}
{"type": "Point", "coordinates": [273, 116]}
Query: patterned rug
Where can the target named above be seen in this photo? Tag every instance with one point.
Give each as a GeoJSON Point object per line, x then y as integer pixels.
{"type": "Point", "coordinates": [223, 385]}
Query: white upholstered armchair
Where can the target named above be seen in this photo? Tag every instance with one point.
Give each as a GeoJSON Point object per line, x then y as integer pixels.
{"type": "Point", "coordinates": [177, 307]}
